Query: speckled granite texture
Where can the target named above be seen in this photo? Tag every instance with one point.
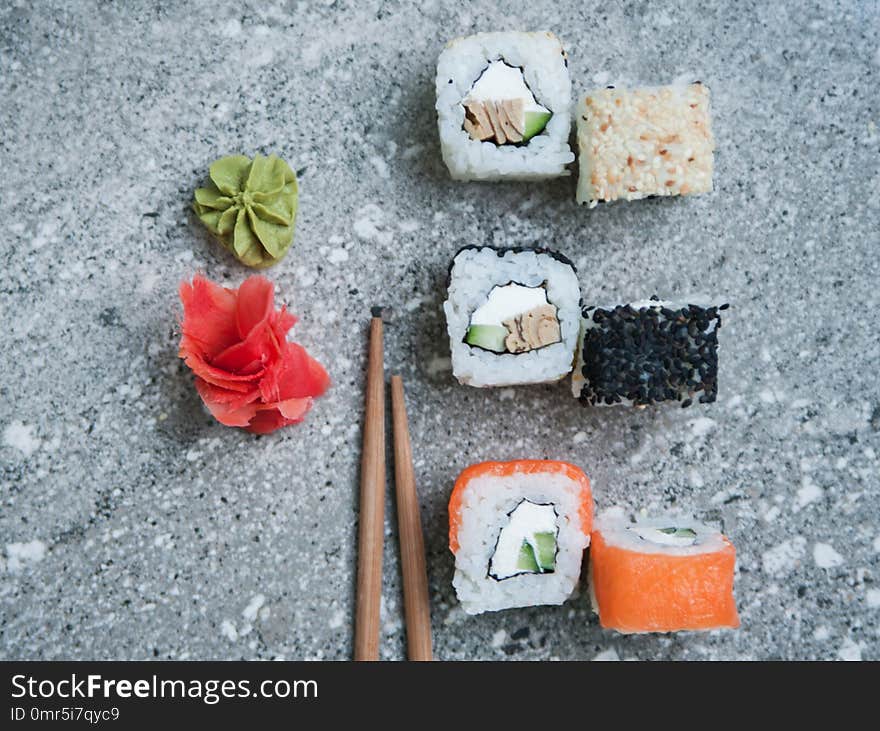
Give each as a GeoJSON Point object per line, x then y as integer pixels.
{"type": "Point", "coordinates": [134, 526]}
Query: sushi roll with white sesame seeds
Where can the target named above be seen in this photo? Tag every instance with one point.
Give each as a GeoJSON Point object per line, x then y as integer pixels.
{"type": "Point", "coordinates": [646, 352]}
{"type": "Point", "coordinates": [643, 143]}
{"type": "Point", "coordinates": [503, 106]}
{"type": "Point", "coordinates": [513, 316]}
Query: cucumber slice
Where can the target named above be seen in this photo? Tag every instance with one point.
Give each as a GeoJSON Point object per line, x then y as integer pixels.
{"type": "Point", "coordinates": [526, 560]}
{"type": "Point", "coordinates": [535, 123]}
{"type": "Point", "coordinates": [678, 532]}
{"type": "Point", "coordinates": [545, 551]}
{"type": "Point", "coordinates": [488, 337]}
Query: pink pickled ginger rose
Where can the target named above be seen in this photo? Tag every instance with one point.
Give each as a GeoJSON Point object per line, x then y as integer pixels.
{"type": "Point", "coordinates": [247, 373]}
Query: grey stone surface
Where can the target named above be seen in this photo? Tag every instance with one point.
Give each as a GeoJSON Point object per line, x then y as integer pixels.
{"type": "Point", "coordinates": [133, 526]}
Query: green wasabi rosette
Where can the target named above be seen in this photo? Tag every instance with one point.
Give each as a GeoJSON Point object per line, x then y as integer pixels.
{"type": "Point", "coordinates": [250, 206]}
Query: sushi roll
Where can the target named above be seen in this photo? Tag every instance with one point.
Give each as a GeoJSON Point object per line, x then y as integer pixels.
{"type": "Point", "coordinates": [503, 106]}
{"type": "Point", "coordinates": [513, 316]}
{"type": "Point", "coordinates": [646, 352]}
{"type": "Point", "coordinates": [661, 575]}
{"type": "Point", "coordinates": [644, 142]}
{"type": "Point", "coordinates": [518, 531]}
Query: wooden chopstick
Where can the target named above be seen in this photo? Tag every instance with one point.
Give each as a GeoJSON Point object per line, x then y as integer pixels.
{"type": "Point", "coordinates": [371, 528]}
{"type": "Point", "coordinates": [412, 543]}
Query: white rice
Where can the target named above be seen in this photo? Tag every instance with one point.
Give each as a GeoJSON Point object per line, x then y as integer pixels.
{"type": "Point", "coordinates": [485, 506]}
{"type": "Point", "coordinates": [622, 533]}
{"type": "Point", "coordinates": [474, 273]}
{"type": "Point", "coordinates": [543, 61]}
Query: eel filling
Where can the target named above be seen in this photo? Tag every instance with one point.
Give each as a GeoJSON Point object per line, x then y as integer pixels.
{"type": "Point", "coordinates": [514, 319]}
{"type": "Point", "coordinates": [501, 108]}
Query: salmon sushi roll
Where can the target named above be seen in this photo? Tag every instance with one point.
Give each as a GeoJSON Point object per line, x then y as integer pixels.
{"type": "Point", "coordinates": [518, 531]}
{"type": "Point", "coordinates": [661, 575]}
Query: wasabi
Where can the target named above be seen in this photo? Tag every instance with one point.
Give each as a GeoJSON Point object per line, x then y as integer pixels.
{"type": "Point", "coordinates": [250, 206]}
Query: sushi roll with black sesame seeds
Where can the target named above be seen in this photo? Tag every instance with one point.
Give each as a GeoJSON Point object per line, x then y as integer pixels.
{"type": "Point", "coordinates": [646, 352]}
{"type": "Point", "coordinates": [513, 316]}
